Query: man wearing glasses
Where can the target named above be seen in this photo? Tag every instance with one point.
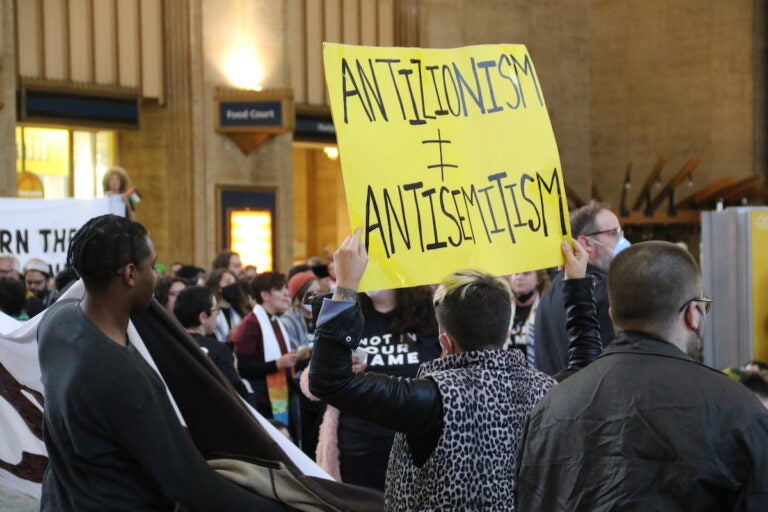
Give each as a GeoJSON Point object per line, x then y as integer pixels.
{"type": "Point", "coordinates": [598, 230]}
{"type": "Point", "coordinates": [646, 426]}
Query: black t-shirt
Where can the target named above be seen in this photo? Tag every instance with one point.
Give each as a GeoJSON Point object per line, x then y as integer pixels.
{"type": "Point", "coordinates": [521, 315]}
{"type": "Point", "coordinates": [113, 438]}
{"type": "Point", "coordinates": [391, 355]}
{"type": "Point", "coordinates": [517, 336]}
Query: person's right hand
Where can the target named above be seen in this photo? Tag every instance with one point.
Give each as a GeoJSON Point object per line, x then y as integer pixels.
{"type": "Point", "coordinates": [350, 261]}
{"type": "Point", "coordinates": [576, 259]}
{"type": "Point", "coordinates": [287, 361]}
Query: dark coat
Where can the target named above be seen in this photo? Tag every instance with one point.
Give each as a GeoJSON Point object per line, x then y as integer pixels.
{"type": "Point", "coordinates": [222, 427]}
{"type": "Point", "coordinates": [415, 407]}
{"type": "Point", "coordinates": [645, 427]}
{"type": "Point", "coordinates": [549, 333]}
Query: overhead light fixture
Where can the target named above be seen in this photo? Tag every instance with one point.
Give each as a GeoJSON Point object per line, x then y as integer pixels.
{"type": "Point", "coordinates": [243, 69]}
{"type": "Point", "coordinates": [331, 152]}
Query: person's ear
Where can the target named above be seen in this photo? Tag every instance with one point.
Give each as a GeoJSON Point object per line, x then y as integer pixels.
{"type": "Point", "coordinates": [129, 274]}
{"type": "Point", "coordinates": [587, 243]}
{"type": "Point", "coordinates": [692, 316]}
{"type": "Point", "coordinates": [610, 313]}
{"type": "Point", "coordinates": [264, 296]}
{"type": "Point", "coordinates": [202, 317]}
{"type": "Point", "coordinates": [446, 344]}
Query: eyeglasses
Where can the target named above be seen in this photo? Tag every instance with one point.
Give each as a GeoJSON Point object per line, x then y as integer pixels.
{"type": "Point", "coordinates": [704, 300]}
{"type": "Point", "coordinates": [613, 232]}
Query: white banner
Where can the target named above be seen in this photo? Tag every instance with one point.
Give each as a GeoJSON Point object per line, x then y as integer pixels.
{"type": "Point", "coordinates": [42, 228]}
{"type": "Point", "coordinates": [22, 451]}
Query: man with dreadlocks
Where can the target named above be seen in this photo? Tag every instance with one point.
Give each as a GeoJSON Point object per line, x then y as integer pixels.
{"type": "Point", "coordinates": [113, 438]}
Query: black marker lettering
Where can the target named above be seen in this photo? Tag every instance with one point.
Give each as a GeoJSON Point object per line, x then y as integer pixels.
{"type": "Point", "coordinates": [457, 242]}
{"type": "Point", "coordinates": [389, 208]}
{"type": "Point", "coordinates": [415, 187]}
{"type": "Point", "coordinates": [346, 74]}
{"type": "Point", "coordinates": [497, 178]}
{"type": "Point", "coordinates": [370, 201]}
{"type": "Point", "coordinates": [484, 65]}
{"type": "Point", "coordinates": [463, 85]}
{"type": "Point", "coordinates": [389, 63]}
{"type": "Point", "coordinates": [437, 244]}
{"type": "Point", "coordinates": [440, 110]}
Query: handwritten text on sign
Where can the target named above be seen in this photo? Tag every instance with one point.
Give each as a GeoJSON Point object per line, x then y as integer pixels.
{"type": "Point", "coordinates": [43, 228]}
{"type": "Point", "coordinates": [449, 160]}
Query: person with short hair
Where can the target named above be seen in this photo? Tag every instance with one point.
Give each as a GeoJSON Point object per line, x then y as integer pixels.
{"type": "Point", "coordinates": [12, 298]}
{"type": "Point", "coordinates": [260, 343]}
{"type": "Point", "coordinates": [37, 279]}
{"type": "Point", "coordinates": [599, 232]}
{"type": "Point", "coordinates": [196, 310]}
{"type": "Point", "coordinates": [167, 290]}
{"type": "Point", "coordinates": [63, 279]}
{"type": "Point", "coordinates": [646, 426]}
{"type": "Point", "coordinates": [249, 272]}
{"type": "Point", "coordinates": [192, 275]}
{"type": "Point", "coordinates": [298, 320]}
{"type": "Point", "coordinates": [113, 439]}
{"type": "Point", "coordinates": [9, 266]}
{"type": "Point", "coordinates": [460, 420]}
{"type": "Point", "coordinates": [37, 275]}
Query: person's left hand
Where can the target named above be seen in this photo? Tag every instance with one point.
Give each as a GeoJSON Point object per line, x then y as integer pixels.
{"type": "Point", "coordinates": [576, 259]}
{"type": "Point", "coordinates": [358, 366]}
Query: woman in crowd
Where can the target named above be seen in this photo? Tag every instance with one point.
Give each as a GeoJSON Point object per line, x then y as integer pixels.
{"type": "Point", "coordinates": [298, 320]}
{"type": "Point", "coordinates": [400, 333]}
{"type": "Point", "coordinates": [166, 291]}
{"type": "Point", "coordinates": [527, 288]}
{"type": "Point", "coordinates": [116, 182]}
{"type": "Point", "coordinates": [300, 326]}
{"type": "Point", "coordinates": [226, 289]}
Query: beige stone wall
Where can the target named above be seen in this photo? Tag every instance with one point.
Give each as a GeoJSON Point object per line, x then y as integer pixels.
{"type": "Point", "coordinates": [8, 97]}
{"type": "Point", "coordinates": [629, 81]}
{"type": "Point", "coordinates": [221, 27]}
{"type": "Point", "coordinates": [554, 31]}
{"type": "Point", "coordinates": [177, 159]}
{"type": "Point", "coordinates": [624, 81]}
{"type": "Point", "coordinates": [672, 79]}
{"type": "Point", "coordinates": [159, 155]}
{"type": "Point", "coordinates": [321, 220]}
{"type": "Point", "coordinates": [143, 153]}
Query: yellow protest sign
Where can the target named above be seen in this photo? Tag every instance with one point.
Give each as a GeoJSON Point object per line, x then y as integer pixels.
{"type": "Point", "coordinates": [449, 160]}
{"type": "Point", "coordinates": [759, 272]}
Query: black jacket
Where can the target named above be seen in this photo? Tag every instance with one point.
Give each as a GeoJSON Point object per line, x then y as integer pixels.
{"type": "Point", "coordinates": [414, 406]}
{"type": "Point", "coordinates": [645, 427]}
{"type": "Point", "coordinates": [550, 335]}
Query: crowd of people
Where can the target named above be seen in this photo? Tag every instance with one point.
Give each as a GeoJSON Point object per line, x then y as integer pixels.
{"type": "Point", "coordinates": [578, 388]}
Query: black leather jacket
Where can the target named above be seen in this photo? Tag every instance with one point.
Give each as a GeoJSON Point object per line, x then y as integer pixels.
{"type": "Point", "coordinates": [414, 406]}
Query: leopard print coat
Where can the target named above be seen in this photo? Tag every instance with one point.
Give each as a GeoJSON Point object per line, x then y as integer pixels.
{"type": "Point", "coordinates": [487, 398]}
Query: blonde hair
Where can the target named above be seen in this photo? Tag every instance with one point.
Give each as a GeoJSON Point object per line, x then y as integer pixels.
{"type": "Point", "coordinates": [463, 281]}
{"type": "Point", "coordinates": [475, 308]}
{"type": "Point", "coordinates": [121, 173]}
